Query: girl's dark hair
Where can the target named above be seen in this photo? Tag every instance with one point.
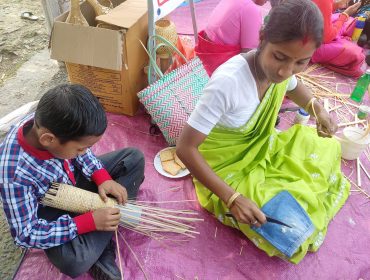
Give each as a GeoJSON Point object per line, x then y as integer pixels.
{"type": "Point", "coordinates": [294, 20]}
{"type": "Point", "coordinates": [71, 112]}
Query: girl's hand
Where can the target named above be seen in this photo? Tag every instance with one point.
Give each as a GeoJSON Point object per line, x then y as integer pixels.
{"type": "Point", "coordinates": [113, 188]}
{"type": "Point", "coordinates": [351, 10]}
{"type": "Point", "coordinates": [247, 212]}
{"type": "Point", "coordinates": [326, 126]}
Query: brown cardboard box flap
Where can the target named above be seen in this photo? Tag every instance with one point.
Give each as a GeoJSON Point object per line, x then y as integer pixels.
{"type": "Point", "coordinates": [87, 45]}
{"type": "Point", "coordinates": [126, 14]}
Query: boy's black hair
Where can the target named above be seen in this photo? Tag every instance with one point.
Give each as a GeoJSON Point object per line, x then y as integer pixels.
{"type": "Point", "coordinates": [71, 112]}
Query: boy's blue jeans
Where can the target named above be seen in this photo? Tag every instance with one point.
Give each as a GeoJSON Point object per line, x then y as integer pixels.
{"type": "Point", "coordinates": [77, 256]}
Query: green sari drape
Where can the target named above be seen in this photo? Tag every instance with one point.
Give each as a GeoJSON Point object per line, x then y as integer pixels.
{"type": "Point", "coordinates": [259, 162]}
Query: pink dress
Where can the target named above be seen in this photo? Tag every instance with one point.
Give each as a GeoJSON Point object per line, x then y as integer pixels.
{"type": "Point", "coordinates": [338, 52]}
{"type": "Point", "coordinates": [235, 22]}
{"type": "Point", "coordinates": [233, 25]}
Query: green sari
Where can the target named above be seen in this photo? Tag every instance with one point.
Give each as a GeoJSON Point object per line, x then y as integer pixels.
{"type": "Point", "coordinates": [259, 162]}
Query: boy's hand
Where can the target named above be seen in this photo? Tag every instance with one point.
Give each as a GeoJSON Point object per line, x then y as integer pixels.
{"type": "Point", "coordinates": [106, 219]}
{"type": "Point", "coordinates": [113, 188]}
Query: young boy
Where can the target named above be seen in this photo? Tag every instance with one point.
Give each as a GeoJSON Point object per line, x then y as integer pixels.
{"type": "Point", "coordinates": [54, 146]}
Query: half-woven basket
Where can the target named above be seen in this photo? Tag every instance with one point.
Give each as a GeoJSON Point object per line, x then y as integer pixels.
{"type": "Point", "coordinates": [138, 217]}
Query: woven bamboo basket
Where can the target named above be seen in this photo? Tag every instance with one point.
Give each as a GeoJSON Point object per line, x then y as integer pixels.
{"type": "Point", "coordinates": [75, 15]}
{"type": "Point", "coordinates": [141, 218]}
{"type": "Point", "coordinates": [98, 8]}
{"type": "Point", "coordinates": [167, 30]}
{"type": "Point", "coordinates": [106, 3]}
{"type": "Point", "coordinates": [76, 200]}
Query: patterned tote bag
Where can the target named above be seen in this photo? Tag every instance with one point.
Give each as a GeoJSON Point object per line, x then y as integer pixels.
{"type": "Point", "coordinates": [171, 99]}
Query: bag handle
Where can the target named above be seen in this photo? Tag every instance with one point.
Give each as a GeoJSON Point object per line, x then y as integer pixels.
{"type": "Point", "coordinates": [164, 43]}
{"type": "Point", "coordinates": [167, 43]}
{"type": "Point", "coordinates": [152, 62]}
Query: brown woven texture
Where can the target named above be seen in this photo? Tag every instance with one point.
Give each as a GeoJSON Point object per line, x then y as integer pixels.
{"type": "Point", "coordinates": [167, 30]}
{"type": "Point", "coordinates": [75, 15]}
{"type": "Point", "coordinates": [98, 8]}
{"type": "Point", "coordinates": [73, 199]}
{"type": "Point", "coordinates": [365, 2]}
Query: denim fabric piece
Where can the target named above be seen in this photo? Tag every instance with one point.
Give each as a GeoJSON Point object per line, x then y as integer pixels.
{"type": "Point", "coordinates": [285, 208]}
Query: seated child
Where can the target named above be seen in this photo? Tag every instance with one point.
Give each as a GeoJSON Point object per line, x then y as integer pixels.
{"type": "Point", "coordinates": [54, 146]}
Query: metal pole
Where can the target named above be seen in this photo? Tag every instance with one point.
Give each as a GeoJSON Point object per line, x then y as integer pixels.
{"type": "Point", "coordinates": [151, 41]}
{"type": "Point", "coordinates": [192, 11]}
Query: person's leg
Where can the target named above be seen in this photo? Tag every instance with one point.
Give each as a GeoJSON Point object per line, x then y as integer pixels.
{"type": "Point", "coordinates": [126, 167]}
{"type": "Point", "coordinates": [77, 256]}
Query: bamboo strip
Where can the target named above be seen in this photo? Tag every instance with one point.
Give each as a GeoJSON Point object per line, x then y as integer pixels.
{"type": "Point", "coordinates": [119, 255]}
{"type": "Point", "coordinates": [149, 221]}
{"type": "Point", "coordinates": [168, 201]}
{"type": "Point", "coordinates": [335, 108]}
{"type": "Point", "coordinates": [314, 83]}
{"type": "Point", "coordinates": [364, 169]}
{"type": "Point", "coordinates": [350, 123]}
{"type": "Point", "coordinates": [361, 190]}
{"type": "Point", "coordinates": [156, 209]}
{"type": "Point", "coordinates": [332, 94]}
{"type": "Point", "coordinates": [358, 173]}
{"type": "Point", "coordinates": [135, 256]}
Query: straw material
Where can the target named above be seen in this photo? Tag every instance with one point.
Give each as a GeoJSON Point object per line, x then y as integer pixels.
{"type": "Point", "coordinates": [106, 3]}
{"type": "Point", "coordinates": [145, 219]}
{"type": "Point", "coordinates": [73, 199]}
{"type": "Point", "coordinates": [98, 8]}
{"type": "Point", "coordinates": [167, 30]}
{"type": "Point", "coordinates": [75, 15]}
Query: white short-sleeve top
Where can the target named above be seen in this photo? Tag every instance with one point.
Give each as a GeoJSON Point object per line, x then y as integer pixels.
{"type": "Point", "coordinates": [230, 98]}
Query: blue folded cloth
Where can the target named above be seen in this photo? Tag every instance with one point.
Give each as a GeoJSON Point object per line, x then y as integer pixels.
{"type": "Point", "coordinates": [286, 209]}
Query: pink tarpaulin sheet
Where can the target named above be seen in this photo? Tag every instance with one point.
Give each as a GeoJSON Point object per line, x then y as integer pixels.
{"type": "Point", "coordinates": [219, 252]}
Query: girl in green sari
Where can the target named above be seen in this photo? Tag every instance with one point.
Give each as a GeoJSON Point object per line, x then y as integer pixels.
{"type": "Point", "coordinates": [230, 145]}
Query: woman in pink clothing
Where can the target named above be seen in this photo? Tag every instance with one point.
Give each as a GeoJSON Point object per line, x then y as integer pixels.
{"type": "Point", "coordinates": [233, 28]}
{"type": "Point", "coordinates": [337, 52]}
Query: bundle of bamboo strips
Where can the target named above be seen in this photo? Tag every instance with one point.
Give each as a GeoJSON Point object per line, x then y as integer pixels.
{"type": "Point", "coordinates": [324, 87]}
{"type": "Point", "coordinates": [137, 216]}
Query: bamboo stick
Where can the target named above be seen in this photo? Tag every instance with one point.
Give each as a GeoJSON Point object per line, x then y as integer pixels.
{"type": "Point", "coordinates": [364, 169]}
{"type": "Point", "coordinates": [135, 256]}
{"type": "Point", "coordinates": [332, 94]}
{"type": "Point", "coordinates": [361, 190]}
{"type": "Point", "coordinates": [358, 173]}
{"type": "Point", "coordinates": [335, 108]}
{"type": "Point", "coordinates": [144, 219]}
{"type": "Point", "coordinates": [350, 123]}
{"type": "Point", "coordinates": [119, 255]}
{"type": "Point", "coordinates": [314, 83]}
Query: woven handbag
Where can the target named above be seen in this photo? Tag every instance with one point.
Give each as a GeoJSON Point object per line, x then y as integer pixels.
{"type": "Point", "coordinates": [171, 99]}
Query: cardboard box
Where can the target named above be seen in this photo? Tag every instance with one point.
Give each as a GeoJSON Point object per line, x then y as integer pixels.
{"type": "Point", "coordinates": [109, 62]}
